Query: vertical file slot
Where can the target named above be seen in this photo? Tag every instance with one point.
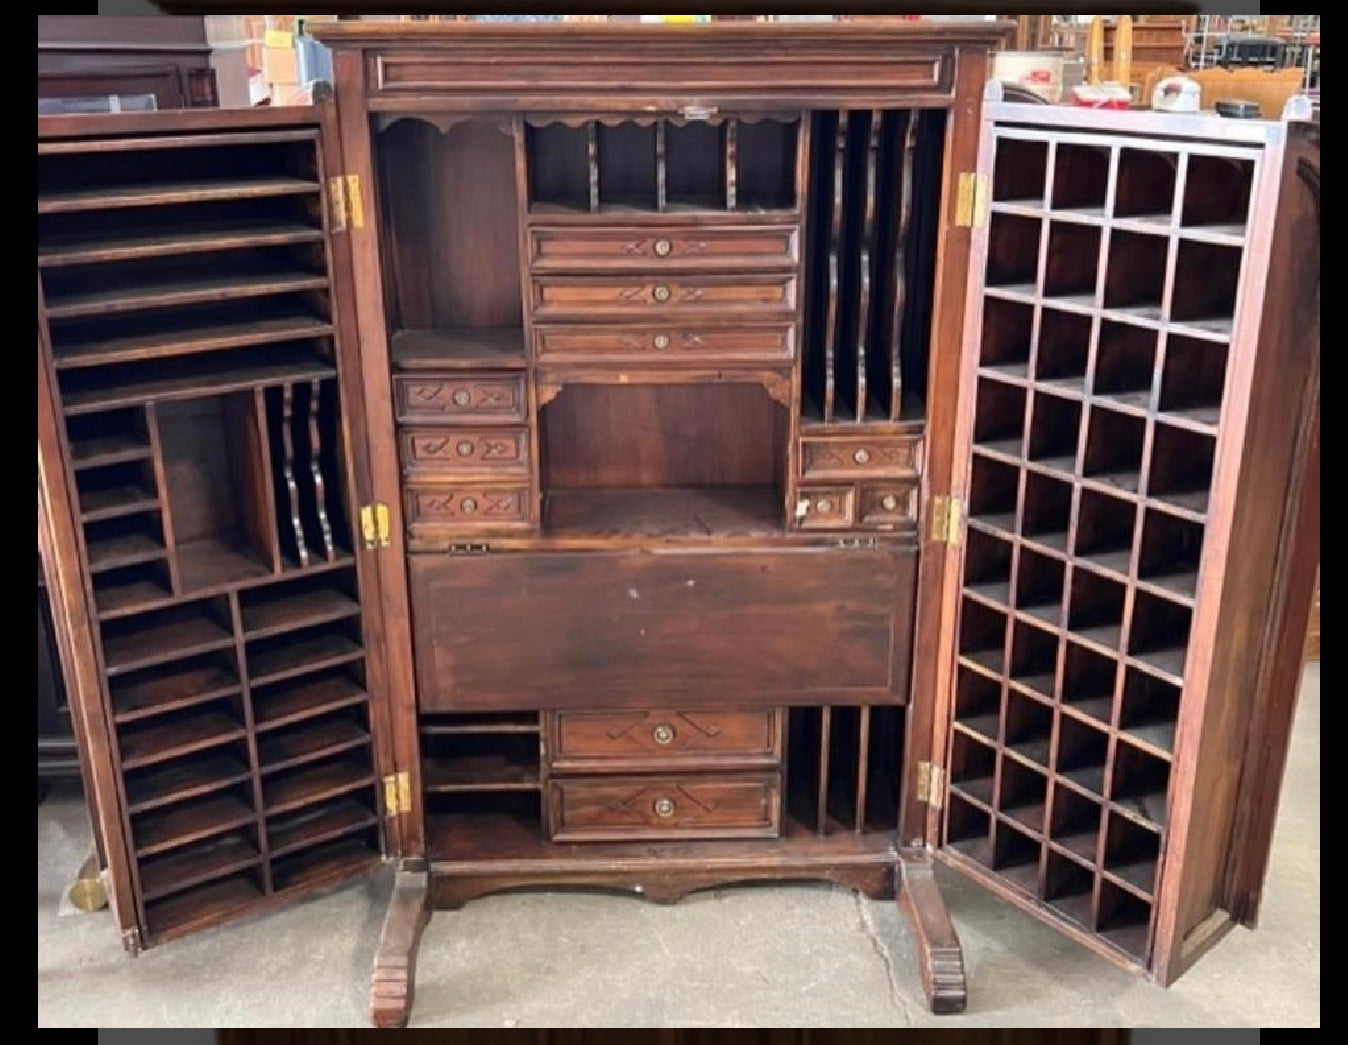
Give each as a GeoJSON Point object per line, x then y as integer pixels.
{"type": "Point", "coordinates": [316, 471]}
{"type": "Point", "coordinates": [868, 259]}
{"type": "Point", "coordinates": [863, 768]}
{"type": "Point", "coordinates": [731, 164]}
{"type": "Point", "coordinates": [592, 159]}
{"type": "Point", "coordinates": [836, 219]}
{"type": "Point", "coordinates": [904, 145]}
{"type": "Point", "coordinates": [661, 168]}
{"type": "Point", "coordinates": [280, 411]}
{"type": "Point", "coordinates": [825, 731]}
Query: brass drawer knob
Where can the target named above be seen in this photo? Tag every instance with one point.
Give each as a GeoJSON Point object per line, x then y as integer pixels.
{"type": "Point", "coordinates": [823, 505]}
{"type": "Point", "coordinates": [461, 397]}
{"type": "Point", "coordinates": [661, 342]}
{"type": "Point", "coordinates": [660, 293]}
{"type": "Point", "coordinates": [664, 807]}
{"type": "Point", "coordinates": [469, 505]}
{"type": "Point", "coordinates": [663, 248]}
{"type": "Point", "coordinates": [464, 448]}
{"type": "Point", "coordinates": [862, 456]}
{"type": "Point", "coordinates": [663, 734]}
{"type": "Point", "coordinates": [889, 502]}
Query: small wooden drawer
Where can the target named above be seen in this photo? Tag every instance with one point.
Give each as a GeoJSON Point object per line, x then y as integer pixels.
{"type": "Point", "coordinates": [432, 506]}
{"type": "Point", "coordinates": [667, 343]}
{"type": "Point", "coordinates": [888, 505]}
{"type": "Point", "coordinates": [852, 457]}
{"type": "Point", "coordinates": [464, 451]}
{"type": "Point", "coordinates": [571, 248]}
{"type": "Point", "coordinates": [734, 296]}
{"type": "Point", "coordinates": [467, 398]}
{"type": "Point", "coordinates": [826, 508]}
{"type": "Point", "coordinates": [624, 809]}
{"type": "Point", "coordinates": [645, 740]}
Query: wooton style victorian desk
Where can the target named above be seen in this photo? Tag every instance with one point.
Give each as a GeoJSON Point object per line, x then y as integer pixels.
{"type": "Point", "coordinates": [656, 458]}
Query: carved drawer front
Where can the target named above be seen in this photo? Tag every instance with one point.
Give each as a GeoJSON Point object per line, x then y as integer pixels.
{"type": "Point", "coordinates": [465, 451]}
{"type": "Point", "coordinates": [704, 248]}
{"type": "Point", "coordinates": [432, 506]}
{"type": "Point", "coordinates": [622, 809]}
{"type": "Point", "coordinates": [481, 398]}
{"type": "Point", "coordinates": [736, 296]}
{"type": "Point", "coordinates": [850, 457]}
{"type": "Point", "coordinates": [826, 508]}
{"type": "Point", "coordinates": [664, 343]}
{"type": "Point", "coordinates": [888, 505]}
{"type": "Point", "coordinates": [642, 740]}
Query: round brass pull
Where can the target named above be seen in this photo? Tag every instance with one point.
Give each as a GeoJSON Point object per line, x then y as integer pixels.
{"type": "Point", "coordinates": [824, 505]}
{"type": "Point", "coordinates": [889, 502]}
{"type": "Point", "coordinates": [660, 293]}
{"type": "Point", "coordinates": [663, 734]}
{"type": "Point", "coordinates": [660, 342]}
{"type": "Point", "coordinates": [664, 807]}
{"type": "Point", "coordinates": [461, 397]}
{"type": "Point", "coordinates": [663, 248]}
{"type": "Point", "coordinates": [862, 456]}
{"type": "Point", "coordinates": [469, 505]}
{"type": "Point", "coordinates": [464, 449]}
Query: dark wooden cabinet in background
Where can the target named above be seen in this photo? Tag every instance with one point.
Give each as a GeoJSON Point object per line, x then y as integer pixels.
{"type": "Point", "coordinates": [661, 458]}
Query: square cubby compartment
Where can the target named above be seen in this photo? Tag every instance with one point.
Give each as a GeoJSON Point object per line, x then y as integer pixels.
{"type": "Point", "coordinates": [1124, 920]}
{"type": "Point", "coordinates": [982, 635]}
{"type": "Point", "coordinates": [1073, 261]}
{"type": "Point", "coordinates": [1022, 795]}
{"type": "Point", "coordinates": [1125, 364]}
{"type": "Point", "coordinates": [1135, 278]}
{"type": "Point", "coordinates": [1013, 252]}
{"type": "Point", "coordinates": [1149, 713]}
{"type": "Point", "coordinates": [994, 488]}
{"type": "Point", "coordinates": [1047, 511]}
{"type": "Point", "coordinates": [694, 167]}
{"type": "Point", "coordinates": [1074, 823]}
{"type": "Point", "coordinates": [1034, 659]}
{"type": "Point", "coordinates": [1016, 857]}
{"type": "Point", "coordinates": [1104, 534]}
{"type": "Point", "coordinates": [1159, 635]}
{"type": "Point", "coordinates": [1039, 586]}
{"type": "Point", "coordinates": [987, 566]}
{"type": "Point", "coordinates": [1114, 449]}
{"type": "Point", "coordinates": [1206, 277]}
{"type": "Point", "coordinates": [1088, 683]}
{"type": "Point", "coordinates": [1064, 344]}
{"type": "Point", "coordinates": [1029, 726]}
{"type": "Point", "coordinates": [1145, 187]}
{"type": "Point", "coordinates": [1140, 783]}
{"type": "Point", "coordinates": [1007, 329]}
{"type": "Point", "coordinates": [1132, 853]}
{"type": "Point", "coordinates": [1055, 424]}
{"type": "Point", "coordinates": [1080, 178]}
{"type": "Point", "coordinates": [1019, 171]}
{"type": "Point", "coordinates": [118, 489]}
{"type": "Point", "coordinates": [1082, 753]}
{"type": "Point", "coordinates": [765, 163]}
{"type": "Point", "coordinates": [968, 830]}
{"type": "Point", "coordinates": [559, 166]}
{"type": "Point", "coordinates": [1068, 887]}
{"type": "Point", "coordinates": [1096, 611]}
{"type": "Point", "coordinates": [1171, 547]}
{"type": "Point", "coordinates": [973, 766]}
{"type": "Point", "coordinates": [1192, 379]}
{"type": "Point", "coordinates": [1217, 193]}
{"type": "Point", "coordinates": [999, 417]}
{"type": "Point", "coordinates": [107, 437]}
{"type": "Point", "coordinates": [627, 166]}
{"type": "Point", "coordinates": [1181, 468]}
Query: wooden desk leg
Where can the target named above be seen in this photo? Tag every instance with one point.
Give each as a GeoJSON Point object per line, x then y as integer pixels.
{"type": "Point", "coordinates": [393, 982]}
{"type": "Point", "coordinates": [938, 947]}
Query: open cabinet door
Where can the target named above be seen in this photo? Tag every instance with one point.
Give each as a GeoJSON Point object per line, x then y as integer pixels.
{"type": "Point", "coordinates": [204, 518]}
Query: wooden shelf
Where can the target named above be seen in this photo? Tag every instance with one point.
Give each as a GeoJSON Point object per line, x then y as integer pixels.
{"type": "Point", "coordinates": [202, 905]}
{"type": "Point", "coordinates": [664, 513]}
{"type": "Point", "coordinates": [272, 611]}
{"type": "Point", "coordinates": [127, 292]}
{"type": "Point", "coordinates": [101, 450]}
{"type": "Point", "coordinates": [189, 822]}
{"type": "Point", "coordinates": [112, 501]}
{"type": "Point", "coordinates": [173, 634]}
{"type": "Point", "coordinates": [143, 745]}
{"type": "Point", "coordinates": [194, 865]}
{"type": "Point", "coordinates": [125, 244]}
{"type": "Point", "coordinates": [311, 868]}
{"type": "Point", "coordinates": [216, 561]}
{"type": "Point", "coordinates": [153, 194]}
{"type": "Point", "coordinates": [479, 772]}
{"type": "Point", "coordinates": [124, 549]}
{"type": "Point", "coordinates": [503, 723]}
{"type": "Point", "coordinates": [500, 348]}
{"type": "Point", "coordinates": [307, 698]}
{"type": "Point", "coordinates": [314, 784]}
{"type": "Point", "coordinates": [283, 749]}
{"type": "Point", "coordinates": [291, 833]}
{"type": "Point", "coordinates": [172, 687]}
{"type": "Point", "coordinates": [302, 655]}
{"type": "Point", "coordinates": [200, 776]}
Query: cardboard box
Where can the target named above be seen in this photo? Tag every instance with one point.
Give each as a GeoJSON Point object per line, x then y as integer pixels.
{"type": "Point", "coordinates": [279, 65]}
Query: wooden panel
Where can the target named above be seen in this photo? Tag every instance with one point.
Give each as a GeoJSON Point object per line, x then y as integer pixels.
{"type": "Point", "coordinates": [667, 343]}
{"type": "Point", "coordinates": [610, 629]}
{"type": "Point", "coordinates": [587, 297]}
{"type": "Point", "coordinates": [636, 808]}
{"type": "Point", "coordinates": [481, 398]}
{"type": "Point", "coordinates": [433, 508]}
{"type": "Point", "coordinates": [647, 739]}
{"type": "Point", "coordinates": [702, 248]}
{"type": "Point", "coordinates": [465, 451]}
{"type": "Point", "coordinates": [859, 457]}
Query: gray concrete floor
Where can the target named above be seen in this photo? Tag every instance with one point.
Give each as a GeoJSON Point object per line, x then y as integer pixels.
{"type": "Point", "coordinates": [796, 955]}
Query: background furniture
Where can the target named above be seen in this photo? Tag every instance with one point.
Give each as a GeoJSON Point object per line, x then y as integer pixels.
{"type": "Point", "coordinates": [1269, 88]}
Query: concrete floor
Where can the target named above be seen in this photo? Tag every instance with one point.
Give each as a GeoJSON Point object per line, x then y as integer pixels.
{"type": "Point", "coordinates": [795, 955]}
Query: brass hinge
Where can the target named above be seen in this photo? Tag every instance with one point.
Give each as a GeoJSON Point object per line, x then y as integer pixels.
{"type": "Point", "coordinates": [947, 519]}
{"type": "Point", "coordinates": [348, 207]}
{"type": "Point", "coordinates": [397, 794]}
{"type": "Point", "coordinates": [971, 201]}
{"type": "Point", "coordinates": [374, 525]}
{"type": "Point", "coordinates": [469, 549]}
{"type": "Point", "coordinates": [930, 784]}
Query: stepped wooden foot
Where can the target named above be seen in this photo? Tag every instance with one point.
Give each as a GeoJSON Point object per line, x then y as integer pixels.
{"type": "Point", "coordinates": [394, 978]}
{"type": "Point", "coordinates": [940, 958]}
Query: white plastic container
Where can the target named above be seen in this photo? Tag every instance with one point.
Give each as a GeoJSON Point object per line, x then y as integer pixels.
{"type": "Point", "coordinates": [1037, 71]}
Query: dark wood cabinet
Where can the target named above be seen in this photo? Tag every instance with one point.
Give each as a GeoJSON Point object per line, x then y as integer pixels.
{"type": "Point", "coordinates": [657, 458]}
